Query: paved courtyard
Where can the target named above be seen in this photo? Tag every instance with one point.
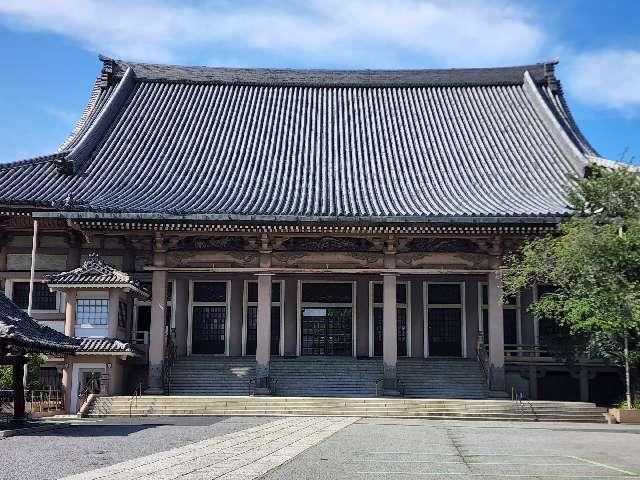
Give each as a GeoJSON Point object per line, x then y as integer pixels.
{"type": "Point", "coordinates": [321, 448]}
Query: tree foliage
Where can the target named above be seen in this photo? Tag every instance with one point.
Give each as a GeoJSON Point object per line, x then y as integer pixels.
{"type": "Point", "coordinates": [593, 262]}
{"type": "Point", "coordinates": [33, 375]}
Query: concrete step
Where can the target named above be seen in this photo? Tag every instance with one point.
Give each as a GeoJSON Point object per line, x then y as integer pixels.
{"type": "Point", "coordinates": [369, 407]}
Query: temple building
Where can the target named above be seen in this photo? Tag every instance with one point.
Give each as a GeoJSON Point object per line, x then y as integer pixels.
{"type": "Point", "coordinates": [299, 232]}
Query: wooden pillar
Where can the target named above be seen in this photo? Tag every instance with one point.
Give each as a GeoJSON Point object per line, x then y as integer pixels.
{"type": "Point", "coordinates": [263, 345]}
{"type": "Point", "coordinates": [158, 319]}
{"type": "Point", "coordinates": [74, 254]}
{"type": "Point", "coordinates": [389, 332]}
{"type": "Point", "coordinates": [584, 384]}
{"type": "Point", "coordinates": [70, 313]}
{"type": "Point", "coordinates": [181, 306]}
{"type": "Point", "coordinates": [496, 333]}
{"type": "Point", "coordinates": [114, 305]}
{"type": "Point", "coordinates": [18, 390]}
{"type": "Point", "coordinates": [66, 384]}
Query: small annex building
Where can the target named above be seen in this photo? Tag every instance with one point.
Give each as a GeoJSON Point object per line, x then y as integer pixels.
{"type": "Point", "coordinates": [290, 224]}
{"type": "Point", "coordinates": [20, 335]}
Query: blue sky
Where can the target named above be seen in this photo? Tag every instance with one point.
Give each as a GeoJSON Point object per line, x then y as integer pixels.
{"type": "Point", "coordinates": [48, 50]}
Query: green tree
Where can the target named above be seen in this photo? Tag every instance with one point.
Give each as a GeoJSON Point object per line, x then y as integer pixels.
{"type": "Point", "coordinates": [33, 375]}
{"type": "Point", "coordinates": [594, 264]}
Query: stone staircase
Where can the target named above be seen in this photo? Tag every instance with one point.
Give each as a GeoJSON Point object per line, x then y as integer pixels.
{"type": "Point", "coordinates": [441, 378]}
{"type": "Point", "coordinates": [208, 375]}
{"type": "Point", "coordinates": [326, 376]}
{"type": "Point", "coordinates": [357, 407]}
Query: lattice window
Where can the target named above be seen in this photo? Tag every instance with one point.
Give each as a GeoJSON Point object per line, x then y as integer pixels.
{"type": "Point", "coordinates": [92, 312]}
{"type": "Point", "coordinates": [43, 298]}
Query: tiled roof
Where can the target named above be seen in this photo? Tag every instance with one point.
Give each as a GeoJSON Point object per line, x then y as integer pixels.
{"type": "Point", "coordinates": [311, 144]}
{"type": "Point", "coordinates": [18, 331]}
{"type": "Point", "coordinates": [88, 345]}
{"type": "Point", "coordinates": [95, 273]}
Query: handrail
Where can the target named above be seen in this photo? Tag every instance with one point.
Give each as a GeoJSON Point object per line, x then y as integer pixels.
{"type": "Point", "coordinates": [398, 385]}
{"type": "Point", "coordinates": [519, 399]}
{"type": "Point", "coordinates": [268, 381]}
{"type": "Point", "coordinates": [481, 355]}
{"type": "Point", "coordinates": [167, 364]}
{"type": "Point", "coordinates": [134, 398]}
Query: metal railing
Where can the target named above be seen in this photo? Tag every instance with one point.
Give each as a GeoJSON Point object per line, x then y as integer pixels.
{"type": "Point", "coordinates": [94, 384]}
{"type": "Point", "coordinates": [140, 337]}
{"type": "Point", "coordinates": [398, 386]}
{"type": "Point", "coordinates": [538, 352]}
{"type": "Point", "coordinates": [483, 360]}
{"type": "Point", "coordinates": [133, 400]}
{"type": "Point", "coordinates": [167, 365]}
{"type": "Point", "coordinates": [522, 405]}
{"type": "Point", "coordinates": [267, 382]}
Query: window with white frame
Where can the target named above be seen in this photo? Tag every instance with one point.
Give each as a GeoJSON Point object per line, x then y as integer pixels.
{"type": "Point", "coordinates": [376, 324]}
{"type": "Point", "coordinates": [444, 316]}
{"type": "Point", "coordinates": [209, 317]}
{"type": "Point", "coordinates": [92, 311]}
{"type": "Point", "coordinates": [251, 316]}
{"type": "Point", "coordinates": [43, 298]}
{"type": "Point", "coordinates": [510, 315]}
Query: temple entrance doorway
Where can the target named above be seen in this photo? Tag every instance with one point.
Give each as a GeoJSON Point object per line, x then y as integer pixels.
{"type": "Point", "coordinates": [445, 319]}
{"type": "Point", "coordinates": [210, 317]}
{"type": "Point", "coordinates": [327, 318]}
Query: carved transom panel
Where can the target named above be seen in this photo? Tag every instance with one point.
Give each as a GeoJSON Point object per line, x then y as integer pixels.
{"type": "Point", "coordinates": [446, 245]}
{"type": "Point", "coordinates": [327, 244]}
{"type": "Point", "coordinates": [212, 243]}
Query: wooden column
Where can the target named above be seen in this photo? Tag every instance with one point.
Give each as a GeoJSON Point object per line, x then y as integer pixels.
{"type": "Point", "coordinates": [181, 306]}
{"type": "Point", "coordinates": [584, 384]}
{"type": "Point", "coordinates": [70, 310]}
{"type": "Point", "coordinates": [263, 345]}
{"type": "Point", "coordinates": [18, 390]}
{"type": "Point", "coordinates": [74, 254]}
{"type": "Point", "coordinates": [389, 332]}
{"type": "Point", "coordinates": [496, 333]}
{"type": "Point", "coordinates": [114, 305]}
{"type": "Point", "coordinates": [158, 319]}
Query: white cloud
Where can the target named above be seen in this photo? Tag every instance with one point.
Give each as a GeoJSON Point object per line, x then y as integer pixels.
{"type": "Point", "coordinates": [378, 33]}
{"type": "Point", "coordinates": [607, 78]}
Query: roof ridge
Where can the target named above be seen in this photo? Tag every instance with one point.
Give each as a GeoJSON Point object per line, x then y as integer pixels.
{"type": "Point", "coordinates": [474, 76]}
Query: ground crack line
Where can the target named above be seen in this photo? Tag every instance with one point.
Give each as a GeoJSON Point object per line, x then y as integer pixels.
{"type": "Point", "coordinates": [457, 447]}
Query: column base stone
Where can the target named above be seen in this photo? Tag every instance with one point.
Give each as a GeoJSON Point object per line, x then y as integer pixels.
{"type": "Point", "coordinates": [262, 386]}
{"type": "Point", "coordinates": [155, 380]}
{"type": "Point", "coordinates": [390, 381]}
{"type": "Point", "coordinates": [498, 383]}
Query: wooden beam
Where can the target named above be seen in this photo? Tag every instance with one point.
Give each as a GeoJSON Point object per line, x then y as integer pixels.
{"type": "Point", "coordinates": [13, 360]}
{"type": "Point", "coordinates": [324, 271]}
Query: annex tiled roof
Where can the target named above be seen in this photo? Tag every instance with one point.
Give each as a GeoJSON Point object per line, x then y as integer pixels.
{"type": "Point", "coordinates": [95, 273]}
{"type": "Point", "coordinates": [311, 144]}
{"type": "Point", "coordinates": [88, 345]}
{"type": "Point", "coordinates": [19, 332]}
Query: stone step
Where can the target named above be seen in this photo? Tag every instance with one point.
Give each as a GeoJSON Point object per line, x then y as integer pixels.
{"type": "Point", "coordinates": [367, 407]}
